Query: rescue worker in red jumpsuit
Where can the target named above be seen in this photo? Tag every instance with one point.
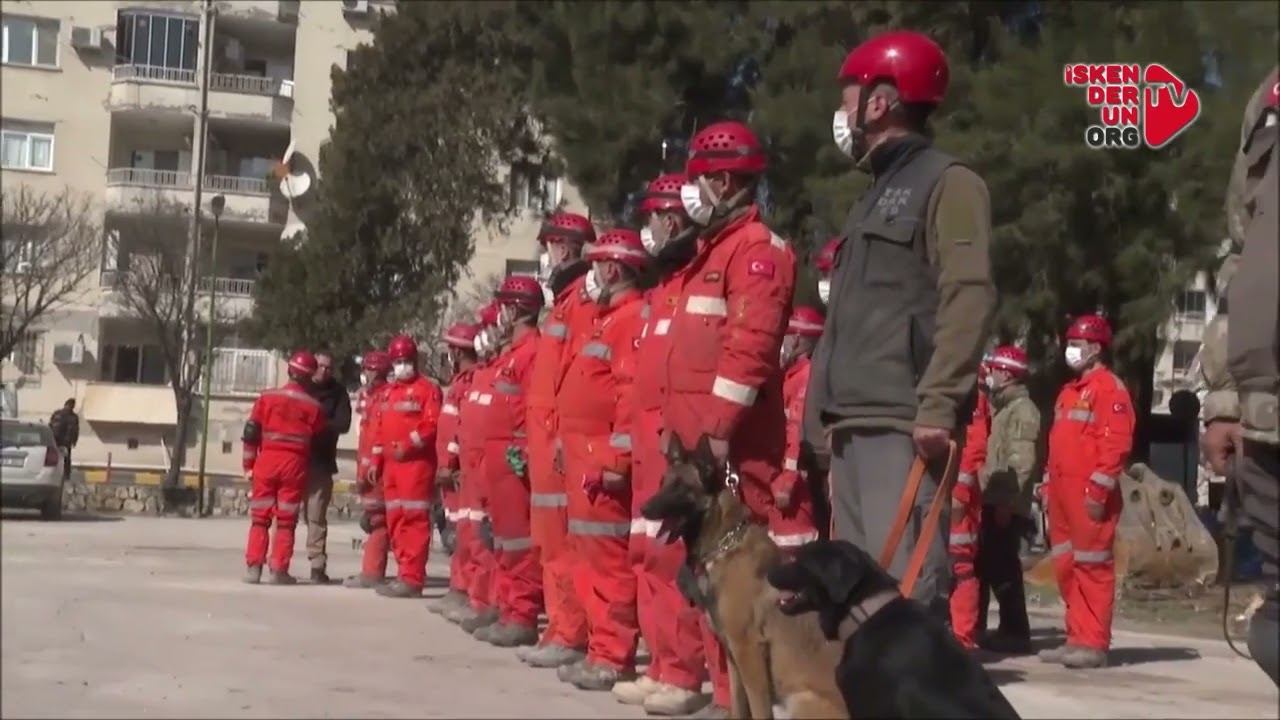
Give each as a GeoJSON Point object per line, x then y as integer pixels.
{"type": "Point", "coordinates": [460, 340]}
{"type": "Point", "coordinates": [374, 366]}
{"type": "Point", "coordinates": [1089, 441]}
{"type": "Point", "coordinates": [733, 301]}
{"type": "Point", "coordinates": [277, 444]}
{"type": "Point", "coordinates": [473, 529]}
{"type": "Point", "coordinates": [405, 463]}
{"type": "Point", "coordinates": [518, 570]}
{"type": "Point", "coordinates": [562, 236]}
{"type": "Point", "coordinates": [824, 264]}
{"type": "Point", "coordinates": [791, 517]}
{"type": "Point", "coordinates": [966, 519]}
{"type": "Point", "coordinates": [595, 413]}
{"type": "Point", "coordinates": [670, 626]}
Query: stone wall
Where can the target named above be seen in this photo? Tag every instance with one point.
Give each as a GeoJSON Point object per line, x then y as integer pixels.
{"type": "Point", "coordinates": [142, 493]}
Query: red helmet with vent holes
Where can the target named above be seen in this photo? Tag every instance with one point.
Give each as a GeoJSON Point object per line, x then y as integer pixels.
{"type": "Point", "coordinates": [619, 245]}
{"type": "Point", "coordinates": [302, 364]}
{"type": "Point", "coordinates": [663, 194]}
{"type": "Point", "coordinates": [1009, 358]}
{"type": "Point", "coordinates": [911, 61]}
{"type": "Point", "coordinates": [1093, 328]}
{"type": "Point", "coordinates": [402, 347]}
{"type": "Point", "coordinates": [805, 322]}
{"type": "Point", "coordinates": [520, 291]}
{"type": "Point", "coordinates": [567, 227]}
{"type": "Point", "coordinates": [725, 147]}
{"type": "Point", "coordinates": [376, 361]}
{"type": "Point", "coordinates": [461, 335]}
{"type": "Point", "coordinates": [825, 262]}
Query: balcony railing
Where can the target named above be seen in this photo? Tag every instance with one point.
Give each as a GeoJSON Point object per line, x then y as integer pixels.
{"type": "Point", "coordinates": [152, 73]}
{"type": "Point", "coordinates": [228, 287]}
{"type": "Point", "coordinates": [247, 84]}
{"type": "Point", "coordinates": [237, 185]}
{"type": "Point", "coordinates": [146, 177]}
{"type": "Point", "coordinates": [237, 371]}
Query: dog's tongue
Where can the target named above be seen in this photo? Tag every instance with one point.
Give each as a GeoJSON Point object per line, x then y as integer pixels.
{"type": "Point", "coordinates": [787, 599]}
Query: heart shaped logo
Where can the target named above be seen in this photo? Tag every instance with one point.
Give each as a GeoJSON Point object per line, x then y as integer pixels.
{"type": "Point", "coordinates": [1169, 106]}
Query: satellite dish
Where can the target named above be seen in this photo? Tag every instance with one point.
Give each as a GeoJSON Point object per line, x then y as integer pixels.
{"type": "Point", "coordinates": [292, 231]}
{"type": "Point", "coordinates": [288, 152]}
{"type": "Point", "coordinates": [295, 185]}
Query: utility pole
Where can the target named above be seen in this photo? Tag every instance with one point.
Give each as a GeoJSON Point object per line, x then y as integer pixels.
{"type": "Point", "coordinates": [201, 146]}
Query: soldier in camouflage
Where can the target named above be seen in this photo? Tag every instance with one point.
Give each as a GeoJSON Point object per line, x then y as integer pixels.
{"type": "Point", "coordinates": [1240, 360]}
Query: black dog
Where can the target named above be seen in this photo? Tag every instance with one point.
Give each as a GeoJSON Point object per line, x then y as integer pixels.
{"type": "Point", "coordinates": [898, 660]}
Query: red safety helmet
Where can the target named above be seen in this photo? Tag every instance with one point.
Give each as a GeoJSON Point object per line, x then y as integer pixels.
{"type": "Point", "coordinates": [567, 227]}
{"type": "Point", "coordinates": [663, 194]}
{"type": "Point", "coordinates": [911, 61]}
{"type": "Point", "coordinates": [619, 245]}
{"type": "Point", "coordinates": [725, 147]}
{"type": "Point", "coordinates": [376, 361]}
{"type": "Point", "coordinates": [1272, 99]}
{"type": "Point", "coordinates": [402, 347]}
{"type": "Point", "coordinates": [825, 262]}
{"type": "Point", "coordinates": [489, 314]}
{"type": "Point", "coordinates": [1009, 358]}
{"type": "Point", "coordinates": [805, 322]}
{"type": "Point", "coordinates": [520, 291]}
{"type": "Point", "coordinates": [461, 335]}
{"type": "Point", "coordinates": [1093, 328]}
{"type": "Point", "coordinates": [302, 364]}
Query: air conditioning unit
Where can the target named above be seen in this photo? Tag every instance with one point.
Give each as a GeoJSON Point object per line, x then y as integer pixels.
{"type": "Point", "coordinates": [355, 7]}
{"type": "Point", "coordinates": [86, 38]}
{"type": "Point", "coordinates": [286, 89]}
{"type": "Point", "coordinates": [68, 353]}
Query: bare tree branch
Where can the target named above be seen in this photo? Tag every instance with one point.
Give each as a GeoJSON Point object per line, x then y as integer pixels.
{"type": "Point", "coordinates": [464, 308]}
{"type": "Point", "coordinates": [50, 244]}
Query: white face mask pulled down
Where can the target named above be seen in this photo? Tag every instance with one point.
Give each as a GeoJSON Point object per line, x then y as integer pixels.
{"type": "Point", "coordinates": [842, 133]}
{"type": "Point", "coordinates": [403, 371]}
{"type": "Point", "coordinates": [824, 291]}
{"type": "Point", "coordinates": [691, 198]}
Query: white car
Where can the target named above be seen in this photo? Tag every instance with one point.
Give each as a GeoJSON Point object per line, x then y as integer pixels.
{"type": "Point", "coordinates": [30, 468]}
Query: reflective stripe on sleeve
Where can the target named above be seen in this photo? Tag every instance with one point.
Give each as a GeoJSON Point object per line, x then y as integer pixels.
{"type": "Point", "coordinates": [1102, 480]}
{"type": "Point", "coordinates": [597, 350]}
{"type": "Point", "coordinates": [734, 392]}
{"type": "Point", "coordinates": [790, 464]}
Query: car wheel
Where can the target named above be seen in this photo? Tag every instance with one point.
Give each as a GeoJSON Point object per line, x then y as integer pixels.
{"type": "Point", "coordinates": [51, 510]}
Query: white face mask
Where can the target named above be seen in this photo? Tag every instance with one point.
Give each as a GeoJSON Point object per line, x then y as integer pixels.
{"type": "Point", "coordinates": [592, 285]}
{"type": "Point", "coordinates": [365, 379]}
{"type": "Point", "coordinates": [647, 239]}
{"type": "Point", "coordinates": [691, 198]}
{"type": "Point", "coordinates": [842, 133]}
{"type": "Point", "coordinates": [824, 291]}
{"type": "Point", "coordinates": [478, 343]}
{"type": "Point", "coordinates": [990, 382]}
{"type": "Point", "coordinates": [403, 370]}
{"type": "Point", "coordinates": [1075, 357]}
{"type": "Point", "coordinates": [544, 277]}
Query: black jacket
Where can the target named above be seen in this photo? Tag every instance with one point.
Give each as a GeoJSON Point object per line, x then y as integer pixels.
{"type": "Point", "coordinates": [336, 402]}
{"type": "Point", "coordinates": [66, 427]}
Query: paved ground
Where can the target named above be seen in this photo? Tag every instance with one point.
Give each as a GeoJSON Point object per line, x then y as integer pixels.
{"type": "Point", "coordinates": [147, 618]}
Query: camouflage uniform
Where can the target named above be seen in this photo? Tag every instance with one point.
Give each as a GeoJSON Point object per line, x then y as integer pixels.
{"type": "Point", "coordinates": [1240, 363]}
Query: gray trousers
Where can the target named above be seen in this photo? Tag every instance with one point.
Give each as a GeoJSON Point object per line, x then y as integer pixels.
{"type": "Point", "coordinates": [868, 476]}
{"type": "Point", "coordinates": [319, 494]}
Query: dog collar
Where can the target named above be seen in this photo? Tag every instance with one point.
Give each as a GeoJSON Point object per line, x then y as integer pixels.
{"type": "Point", "coordinates": [731, 540]}
{"type": "Point", "coordinates": [863, 611]}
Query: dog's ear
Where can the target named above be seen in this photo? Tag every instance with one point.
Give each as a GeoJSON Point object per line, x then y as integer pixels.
{"type": "Point", "coordinates": [705, 460]}
{"type": "Point", "coordinates": [841, 572]}
{"type": "Point", "coordinates": [676, 452]}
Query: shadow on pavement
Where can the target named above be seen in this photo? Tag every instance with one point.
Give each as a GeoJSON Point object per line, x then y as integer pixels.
{"type": "Point", "coordinates": [1122, 656]}
{"type": "Point", "coordinates": [67, 517]}
{"type": "Point", "coordinates": [1006, 676]}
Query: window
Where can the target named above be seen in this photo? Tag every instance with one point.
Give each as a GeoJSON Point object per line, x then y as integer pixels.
{"type": "Point", "coordinates": [30, 41]}
{"type": "Point", "coordinates": [142, 364]}
{"type": "Point", "coordinates": [1191, 302]}
{"type": "Point", "coordinates": [1184, 354]}
{"type": "Point", "coordinates": [523, 267]}
{"type": "Point", "coordinates": [532, 189]}
{"type": "Point", "coordinates": [26, 146]}
{"type": "Point", "coordinates": [162, 41]}
{"type": "Point", "coordinates": [28, 356]}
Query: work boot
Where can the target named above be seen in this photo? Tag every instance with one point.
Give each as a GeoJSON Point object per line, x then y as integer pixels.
{"type": "Point", "coordinates": [552, 656]}
{"type": "Point", "coordinates": [448, 601]}
{"type": "Point", "coordinates": [712, 711]}
{"type": "Point", "coordinates": [506, 635]}
{"type": "Point", "coordinates": [459, 615]}
{"type": "Point", "coordinates": [566, 673]}
{"type": "Point", "coordinates": [633, 692]}
{"type": "Point", "coordinates": [362, 581]}
{"type": "Point", "coordinates": [320, 577]}
{"type": "Point", "coordinates": [673, 701]}
{"type": "Point", "coordinates": [1083, 658]}
{"type": "Point", "coordinates": [481, 618]}
{"type": "Point", "coordinates": [1054, 655]}
{"type": "Point", "coordinates": [596, 677]}
{"type": "Point", "coordinates": [1006, 643]}
{"type": "Point", "coordinates": [398, 589]}
{"type": "Point", "coordinates": [483, 633]}
{"type": "Point", "coordinates": [253, 574]}
{"type": "Point", "coordinates": [280, 577]}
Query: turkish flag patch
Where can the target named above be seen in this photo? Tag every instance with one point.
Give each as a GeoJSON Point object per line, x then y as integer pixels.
{"type": "Point", "coordinates": [1118, 407]}
{"type": "Point", "coordinates": [760, 268]}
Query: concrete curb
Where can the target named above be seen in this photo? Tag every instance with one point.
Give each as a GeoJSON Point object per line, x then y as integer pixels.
{"type": "Point", "coordinates": [152, 478]}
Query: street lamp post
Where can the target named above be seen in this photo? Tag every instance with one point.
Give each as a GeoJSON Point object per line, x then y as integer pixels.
{"type": "Point", "coordinates": [216, 204]}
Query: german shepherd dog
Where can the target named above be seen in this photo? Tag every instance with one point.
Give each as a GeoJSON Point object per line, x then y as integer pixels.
{"type": "Point", "coordinates": [779, 665]}
{"type": "Point", "coordinates": [898, 660]}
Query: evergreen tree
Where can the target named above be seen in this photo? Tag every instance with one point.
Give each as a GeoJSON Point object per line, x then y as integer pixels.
{"type": "Point", "coordinates": [426, 119]}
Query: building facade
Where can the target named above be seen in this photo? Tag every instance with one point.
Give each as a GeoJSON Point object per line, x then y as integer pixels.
{"type": "Point", "coordinates": [104, 98]}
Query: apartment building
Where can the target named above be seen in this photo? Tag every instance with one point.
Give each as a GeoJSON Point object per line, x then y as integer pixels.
{"type": "Point", "coordinates": [1178, 366]}
{"type": "Point", "coordinates": [103, 97]}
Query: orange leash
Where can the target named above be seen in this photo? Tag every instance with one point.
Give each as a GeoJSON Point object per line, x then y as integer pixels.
{"type": "Point", "coordinates": [930, 524]}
